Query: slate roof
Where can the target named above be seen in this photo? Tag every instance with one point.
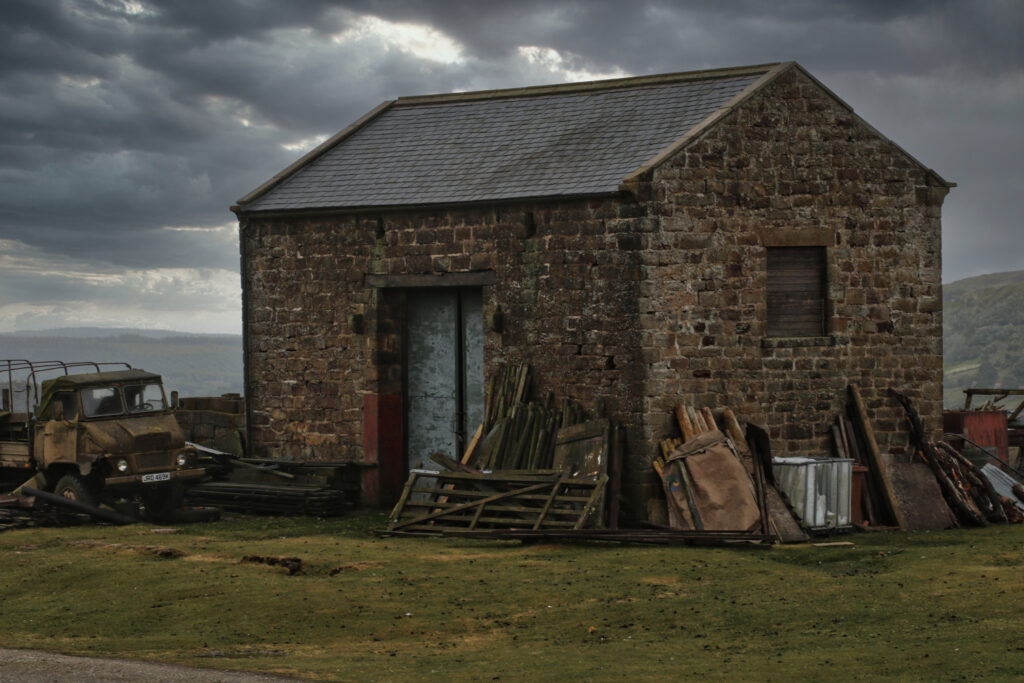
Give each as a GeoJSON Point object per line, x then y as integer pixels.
{"type": "Point", "coordinates": [570, 140]}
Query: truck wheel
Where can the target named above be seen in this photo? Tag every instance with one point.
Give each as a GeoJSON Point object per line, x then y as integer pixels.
{"type": "Point", "coordinates": [74, 487]}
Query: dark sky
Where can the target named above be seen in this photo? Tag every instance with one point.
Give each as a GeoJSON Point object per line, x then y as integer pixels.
{"type": "Point", "coordinates": [128, 127]}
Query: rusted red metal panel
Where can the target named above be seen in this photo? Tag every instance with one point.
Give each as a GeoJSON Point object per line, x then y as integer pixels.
{"type": "Point", "coordinates": [382, 446]}
{"type": "Point", "coordinates": [983, 427]}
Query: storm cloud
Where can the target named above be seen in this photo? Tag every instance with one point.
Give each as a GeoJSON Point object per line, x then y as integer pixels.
{"type": "Point", "coordinates": [129, 127]}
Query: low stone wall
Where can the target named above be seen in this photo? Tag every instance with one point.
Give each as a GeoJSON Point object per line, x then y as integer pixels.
{"type": "Point", "coordinates": [218, 422]}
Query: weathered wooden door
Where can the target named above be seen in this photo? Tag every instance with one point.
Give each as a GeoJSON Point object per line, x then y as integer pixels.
{"type": "Point", "coordinates": [444, 371]}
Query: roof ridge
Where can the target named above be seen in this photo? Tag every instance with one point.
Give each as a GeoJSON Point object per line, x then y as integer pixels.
{"type": "Point", "coordinates": [586, 86]}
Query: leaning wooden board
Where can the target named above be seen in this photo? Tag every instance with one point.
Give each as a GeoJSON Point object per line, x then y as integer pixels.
{"type": "Point", "coordinates": [582, 451]}
{"type": "Point", "coordinates": [874, 457]}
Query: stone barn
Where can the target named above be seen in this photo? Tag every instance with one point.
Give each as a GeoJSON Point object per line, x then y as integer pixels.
{"type": "Point", "coordinates": [734, 237]}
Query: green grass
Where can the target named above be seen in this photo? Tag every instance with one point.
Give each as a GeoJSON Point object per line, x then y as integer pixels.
{"type": "Point", "coordinates": [940, 605]}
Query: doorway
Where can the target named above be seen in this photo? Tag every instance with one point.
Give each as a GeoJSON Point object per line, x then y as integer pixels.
{"type": "Point", "coordinates": [444, 371]}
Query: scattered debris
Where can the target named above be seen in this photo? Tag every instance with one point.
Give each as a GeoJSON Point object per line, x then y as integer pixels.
{"type": "Point", "coordinates": [283, 487]}
{"type": "Point", "coordinates": [639, 536]}
{"type": "Point", "coordinates": [530, 467]}
{"type": "Point", "coordinates": [20, 512]}
{"type": "Point", "coordinates": [293, 565]}
{"type": "Point", "coordinates": [966, 489]}
{"type": "Point", "coordinates": [100, 514]}
{"type": "Point", "coordinates": [517, 434]}
{"type": "Point", "coordinates": [784, 524]}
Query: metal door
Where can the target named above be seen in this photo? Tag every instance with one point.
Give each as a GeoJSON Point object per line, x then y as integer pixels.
{"type": "Point", "coordinates": [444, 371]}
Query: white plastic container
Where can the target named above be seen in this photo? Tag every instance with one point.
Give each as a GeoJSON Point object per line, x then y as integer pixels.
{"type": "Point", "coordinates": [819, 489]}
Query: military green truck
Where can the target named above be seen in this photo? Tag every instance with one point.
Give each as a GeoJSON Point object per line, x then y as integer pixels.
{"type": "Point", "coordinates": [93, 433]}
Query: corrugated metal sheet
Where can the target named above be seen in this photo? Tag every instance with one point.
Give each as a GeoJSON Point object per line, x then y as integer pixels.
{"type": "Point", "coordinates": [1002, 483]}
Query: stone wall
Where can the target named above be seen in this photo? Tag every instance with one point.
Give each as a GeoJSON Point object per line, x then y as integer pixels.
{"type": "Point", "coordinates": [218, 422]}
{"type": "Point", "coordinates": [324, 349]}
{"type": "Point", "coordinates": [792, 167]}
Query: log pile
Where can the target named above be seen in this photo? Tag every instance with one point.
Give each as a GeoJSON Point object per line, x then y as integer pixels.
{"type": "Point", "coordinates": [965, 488]}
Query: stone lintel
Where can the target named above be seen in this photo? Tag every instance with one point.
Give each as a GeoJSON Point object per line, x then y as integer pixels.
{"type": "Point", "coordinates": [474, 279]}
{"type": "Point", "coordinates": [797, 237]}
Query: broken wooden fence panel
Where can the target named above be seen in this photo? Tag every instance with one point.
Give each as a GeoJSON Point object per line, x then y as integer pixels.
{"type": "Point", "coordinates": [524, 500]}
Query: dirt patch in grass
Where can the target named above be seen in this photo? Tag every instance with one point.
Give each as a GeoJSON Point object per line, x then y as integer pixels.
{"type": "Point", "coordinates": [160, 551]}
{"type": "Point", "coordinates": [208, 557]}
{"type": "Point", "coordinates": [461, 557]}
{"type": "Point", "coordinates": [355, 567]}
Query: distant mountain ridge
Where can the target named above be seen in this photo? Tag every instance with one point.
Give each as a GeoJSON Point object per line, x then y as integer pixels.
{"type": "Point", "coordinates": [104, 332]}
{"type": "Point", "coordinates": [191, 364]}
{"type": "Point", "coordinates": [983, 334]}
{"type": "Point", "coordinates": [983, 339]}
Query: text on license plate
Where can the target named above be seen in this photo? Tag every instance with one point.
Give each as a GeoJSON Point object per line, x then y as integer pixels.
{"type": "Point", "coordinates": [156, 476]}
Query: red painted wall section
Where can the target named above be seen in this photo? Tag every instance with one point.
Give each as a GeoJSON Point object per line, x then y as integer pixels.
{"type": "Point", "coordinates": [382, 446]}
{"type": "Point", "coordinates": [983, 427]}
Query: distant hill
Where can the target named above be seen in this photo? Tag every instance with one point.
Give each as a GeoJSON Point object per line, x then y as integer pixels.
{"type": "Point", "coordinates": [104, 332]}
{"type": "Point", "coordinates": [191, 364]}
{"type": "Point", "coordinates": [983, 334]}
{"type": "Point", "coordinates": [983, 339]}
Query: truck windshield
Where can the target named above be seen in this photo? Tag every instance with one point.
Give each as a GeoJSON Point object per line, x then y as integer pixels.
{"type": "Point", "coordinates": [101, 401]}
{"type": "Point", "coordinates": [144, 398]}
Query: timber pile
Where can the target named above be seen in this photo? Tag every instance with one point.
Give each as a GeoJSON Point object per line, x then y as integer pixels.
{"type": "Point", "coordinates": [530, 466]}
{"type": "Point", "coordinates": [967, 491]}
{"type": "Point", "coordinates": [854, 438]}
{"type": "Point", "coordinates": [266, 486]}
{"type": "Point", "coordinates": [517, 434]}
{"type": "Point", "coordinates": [713, 481]}
{"type": "Point", "coordinates": [255, 498]}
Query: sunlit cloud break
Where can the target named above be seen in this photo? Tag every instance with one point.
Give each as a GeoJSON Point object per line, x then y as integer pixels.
{"type": "Point", "coordinates": [423, 42]}
{"type": "Point", "coordinates": [555, 63]}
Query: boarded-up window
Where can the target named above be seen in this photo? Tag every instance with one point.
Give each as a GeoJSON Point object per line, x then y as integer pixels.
{"type": "Point", "coordinates": [796, 291]}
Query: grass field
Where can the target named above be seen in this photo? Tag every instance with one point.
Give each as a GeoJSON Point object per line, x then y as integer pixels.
{"type": "Point", "coordinates": [915, 606]}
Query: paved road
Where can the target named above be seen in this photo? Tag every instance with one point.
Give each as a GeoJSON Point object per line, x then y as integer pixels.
{"type": "Point", "coordinates": [30, 666]}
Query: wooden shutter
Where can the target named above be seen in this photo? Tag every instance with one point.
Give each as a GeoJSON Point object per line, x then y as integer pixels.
{"type": "Point", "coordinates": [796, 291]}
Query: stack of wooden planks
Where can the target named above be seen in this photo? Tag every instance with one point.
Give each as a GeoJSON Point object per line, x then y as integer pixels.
{"type": "Point", "coordinates": [854, 438]}
{"type": "Point", "coordinates": [517, 434]}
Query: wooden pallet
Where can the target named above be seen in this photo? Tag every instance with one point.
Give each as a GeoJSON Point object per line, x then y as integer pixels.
{"type": "Point", "coordinates": [433, 503]}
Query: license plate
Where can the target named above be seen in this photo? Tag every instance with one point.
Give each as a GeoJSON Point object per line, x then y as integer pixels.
{"type": "Point", "coordinates": [156, 476]}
